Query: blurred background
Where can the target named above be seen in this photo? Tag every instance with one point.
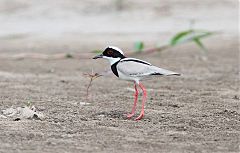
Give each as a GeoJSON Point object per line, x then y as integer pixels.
{"type": "Point", "coordinates": [78, 26]}
{"type": "Point", "coordinates": [197, 112]}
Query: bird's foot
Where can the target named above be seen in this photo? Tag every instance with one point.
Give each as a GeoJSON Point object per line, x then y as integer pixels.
{"type": "Point", "coordinates": [130, 115]}
{"type": "Point", "coordinates": [140, 116]}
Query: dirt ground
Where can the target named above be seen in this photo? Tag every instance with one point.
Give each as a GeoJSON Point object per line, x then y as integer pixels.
{"type": "Point", "coordinates": [196, 112]}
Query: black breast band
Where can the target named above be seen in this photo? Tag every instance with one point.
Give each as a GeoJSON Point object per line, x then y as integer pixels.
{"type": "Point", "coordinates": [114, 68]}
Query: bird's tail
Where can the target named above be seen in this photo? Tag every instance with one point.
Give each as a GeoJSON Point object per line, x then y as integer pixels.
{"type": "Point", "coordinates": [161, 71]}
{"type": "Point", "coordinates": [175, 73]}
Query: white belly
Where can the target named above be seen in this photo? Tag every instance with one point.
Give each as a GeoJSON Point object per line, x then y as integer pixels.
{"type": "Point", "coordinates": [128, 78]}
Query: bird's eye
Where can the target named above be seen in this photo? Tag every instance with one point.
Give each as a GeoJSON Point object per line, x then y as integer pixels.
{"type": "Point", "coordinates": [110, 52]}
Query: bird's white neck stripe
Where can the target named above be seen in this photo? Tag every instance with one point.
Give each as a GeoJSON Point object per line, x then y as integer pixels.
{"type": "Point", "coordinates": [112, 60]}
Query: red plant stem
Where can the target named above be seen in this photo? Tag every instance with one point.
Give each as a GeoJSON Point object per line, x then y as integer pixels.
{"type": "Point", "coordinates": [89, 85]}
{"type": "Point", "coordinates": [58, 56]}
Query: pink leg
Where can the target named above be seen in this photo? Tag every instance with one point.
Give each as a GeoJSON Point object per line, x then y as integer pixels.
{"type": "Point", "coordinates": [135, 102]}
{"type": "Point", "coordinates": [143, 101]}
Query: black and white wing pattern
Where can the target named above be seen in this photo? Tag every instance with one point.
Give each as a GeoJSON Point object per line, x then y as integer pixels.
{"type": "Point", "coordinates": [133, 67]}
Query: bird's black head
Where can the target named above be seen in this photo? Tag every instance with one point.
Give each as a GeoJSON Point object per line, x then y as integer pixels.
{"type": "Point", "coordinates": [111, 52]}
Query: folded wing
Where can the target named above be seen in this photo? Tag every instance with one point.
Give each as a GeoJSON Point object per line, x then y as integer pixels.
{"type": "Point", "coordinates": [138, 68]}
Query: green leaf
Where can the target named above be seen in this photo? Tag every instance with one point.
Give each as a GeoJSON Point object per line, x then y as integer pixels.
{"type": "Point", "coordinates": [201, 34]}
{"type": "Point", "coordinates": [176, 39]}
{"type": "Point", "coordinates": [97, 51]}
{"type": "Point", "coordinates": [68, 55]}
{"type": "Point", "coordinates": [200, 44]}
{"type": "Point", "coordinates": [191, 36]}
{"type": "Point", "coordinates": [138, 46]}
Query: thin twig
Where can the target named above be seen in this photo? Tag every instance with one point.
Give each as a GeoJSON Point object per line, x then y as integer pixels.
{"type": "Point", "coordinates": [92, 76]}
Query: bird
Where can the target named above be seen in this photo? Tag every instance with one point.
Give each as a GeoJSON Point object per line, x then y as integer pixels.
{"type": "Point", "coordinates": [132, 69]}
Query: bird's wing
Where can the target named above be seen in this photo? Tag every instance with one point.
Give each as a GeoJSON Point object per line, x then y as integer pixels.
{"type": "Point", "coordinates": [136, 67]}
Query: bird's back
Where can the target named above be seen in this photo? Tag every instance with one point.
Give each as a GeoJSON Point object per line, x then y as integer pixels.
{"type": "Point", "coordinates": [135, 68]}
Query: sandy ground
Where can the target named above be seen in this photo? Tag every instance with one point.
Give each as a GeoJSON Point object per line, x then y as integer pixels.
{"type": "Point", "coordinates": [197, 112]}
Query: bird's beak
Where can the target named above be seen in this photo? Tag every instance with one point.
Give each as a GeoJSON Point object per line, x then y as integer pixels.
{"type": "Point", "coordinates": [98, 56]}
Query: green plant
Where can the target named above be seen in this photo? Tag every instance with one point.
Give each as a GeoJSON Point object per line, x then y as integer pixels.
{"type": "Point", "coordinates": [68, 55]}
{"type": "Point", "coordinates": [138, 46]}
{"type": "Point", "coordinates": [191, 36]}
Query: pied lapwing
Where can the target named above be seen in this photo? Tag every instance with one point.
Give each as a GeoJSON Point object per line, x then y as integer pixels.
{"type": "Point", "coordinates": [132, 69]}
